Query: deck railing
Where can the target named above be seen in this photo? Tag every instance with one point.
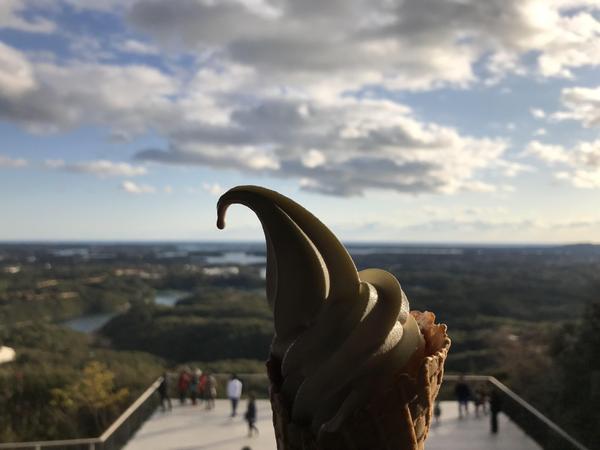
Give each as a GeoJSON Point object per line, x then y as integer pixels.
{"type": "Point", "coordinates": [540, 428]}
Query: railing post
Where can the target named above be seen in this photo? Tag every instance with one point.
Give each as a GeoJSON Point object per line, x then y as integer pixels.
{"type": "Point", "coordinates": [92, 446]}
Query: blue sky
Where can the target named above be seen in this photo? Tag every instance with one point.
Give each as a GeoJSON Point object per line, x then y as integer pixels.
{"type": "Point", "coordinates": [410, 121]}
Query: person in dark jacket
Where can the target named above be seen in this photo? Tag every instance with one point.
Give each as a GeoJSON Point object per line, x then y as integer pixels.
{"type": "Point", "coordinates": [193, 386]}
{"type": "Point", "coordinates": [437, 412]}
{"type": "Point", "coordinates": [463, 394]}
{"type": "Point", "coordinates": [250, 415]}
{"type": "Point", "coordinates": [495, 408]}
{"type": "Point", "coordinates": [163, 392]}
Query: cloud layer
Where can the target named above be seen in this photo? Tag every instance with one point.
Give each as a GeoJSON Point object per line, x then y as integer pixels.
{"type": "Point", "coordinates": [101, 168]}
{"type": "Point", "coordinates": [414, 44]}
{"type": "Point", "coordinates": [298, 89]}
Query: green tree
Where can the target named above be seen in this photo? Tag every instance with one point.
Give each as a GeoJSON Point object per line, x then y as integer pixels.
{"type": "Point", "coordinates": [94, 396]}
{"type": "Point", "coordinates": [578, 361]}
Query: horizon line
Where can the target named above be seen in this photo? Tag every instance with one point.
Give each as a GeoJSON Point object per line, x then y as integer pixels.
{"type": "Point", "coordinates": [261, 242]}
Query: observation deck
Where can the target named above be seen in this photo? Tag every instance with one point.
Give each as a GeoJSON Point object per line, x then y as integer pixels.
{"type": "Point", "coordinates": [145, 426]}
{"type": "Point", "coordinates": [190, 427]}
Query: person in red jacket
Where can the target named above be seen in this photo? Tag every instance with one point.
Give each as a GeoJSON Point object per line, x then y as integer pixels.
{"type": "Point", "coordinates": [182, 385]}
{"type": "Point", "coordinates": [202, 387]}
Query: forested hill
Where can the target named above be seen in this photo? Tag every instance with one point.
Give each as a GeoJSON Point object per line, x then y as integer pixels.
{"type": "Point", "coordinates": [475, 291]}
{"type": "Point", "coordinates": [518, 313]}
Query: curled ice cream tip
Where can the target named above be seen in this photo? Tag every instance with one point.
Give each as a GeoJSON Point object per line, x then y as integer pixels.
{"type": "Point", "coordinates": [336, 330]}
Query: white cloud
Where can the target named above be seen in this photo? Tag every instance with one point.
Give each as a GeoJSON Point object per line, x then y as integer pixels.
{"type": "Point", "coordinates": [584, 179]}
{"type": "Point", "coordinates": [473, 225]}
{"type": "Point", "coordinates": [363, 144]}
{"type": "Point", "coordinates": [313, 158]}
{"type": "Point", "coordinates": [581, 163]}
{"type": "Point", "coordinates": [546, 152]}
{"type": "Point", "coordinates": [54, 163]}
{"type": "Point", "coordinates": [134, 188]}
{"type": "Point", "coordinates": [540, 132]}
{"type": "Point", "coordinates": [512, 169]}
{"type": "Point", "coordinates": [491, 225]}
{"type": "Point", "coordinates": [6, 161]}
{"type": "Point", "coordinates": [538, 113]}
{"type": "Point", "coordinates": [582, 104]}
{"type": "Point", "coordinates": [46, 96]}
{"type": "Point", "coordinates": [478, 186]}
{"type": "Point", "coordinates": [408, 44]}
{"type": "Point", "coordinates": [214, 189]}
{"type": "Point", "coordinates": [16, 75]}
{"type": "Point", "coordinates": [11, 17]}
{"type": "Point", "coordinates": [571, 39]}
{"type": "Point", "coordinates": [100, 168]}
{"type": "Point", "coordinates": [137, 47]}
{"type": "Point", "coordinates": [501, 63]}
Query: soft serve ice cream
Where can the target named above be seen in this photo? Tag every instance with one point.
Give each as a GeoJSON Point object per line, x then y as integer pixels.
{"type": "Point", "coordinates": [339, 333]}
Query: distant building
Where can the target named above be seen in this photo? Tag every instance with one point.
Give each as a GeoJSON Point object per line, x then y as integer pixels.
{"type": "Point", "coordinates": [46, 284]}
{"type": "Point", "coordinates": [221, 271]}
{"type": "Point", "coordinates": [7, 354]}
{"type": "Point", "coordinates": [12, 269]}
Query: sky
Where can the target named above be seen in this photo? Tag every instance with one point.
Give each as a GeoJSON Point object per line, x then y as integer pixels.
{"type": "Point", "coordinates": [466, 121]}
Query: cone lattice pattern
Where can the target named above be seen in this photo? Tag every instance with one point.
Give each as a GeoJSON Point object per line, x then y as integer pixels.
{"type": "Point", "coordinates": [397, 417]}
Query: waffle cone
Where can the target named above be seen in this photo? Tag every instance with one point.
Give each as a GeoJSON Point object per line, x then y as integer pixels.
{"type": "Point", "coordinates": [398, 415]}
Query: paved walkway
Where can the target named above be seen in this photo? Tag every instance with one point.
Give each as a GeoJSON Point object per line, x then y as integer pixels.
{"type": "Point", "coordinates": [193, 428]}
{"type": "Point", "coordinates": [473, 433]}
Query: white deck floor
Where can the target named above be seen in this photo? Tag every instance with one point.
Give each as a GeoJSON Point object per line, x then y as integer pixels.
{"type": "Point", "coordinates": [194, 428]}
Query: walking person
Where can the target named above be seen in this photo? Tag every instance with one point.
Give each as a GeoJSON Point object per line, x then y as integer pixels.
{"type": "Point", "coordinates": [202, 387]}
{"type": "Point", "coordinates": [193, 387]}
{"type": "Point", "coordinates": [234, 392]}
{"type": "Point", "coordinates": [437, 412]}
{"type": "Point", "coordinates": [495, 408]}
{"type": "Point", "coordinates": [163, 392]}
{"type": "Point", "coordinates": [250, 415]}
{"type": "Point", "coordinates": [480, 400]}
{"type": "Point", "coordinates": [211, 391]}
{"type": "Point", "coordinates": [463, 394]}
{"type": "Point", "coordinates": [183, 384]}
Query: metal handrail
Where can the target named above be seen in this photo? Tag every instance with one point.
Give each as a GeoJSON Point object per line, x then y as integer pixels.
{"type": "Point", "coordinates": [129, 411]}
{"type": "Point", "coordinates": [524, 405]}
{"type": "Point", "coordinates": [96, 443]}
{"type": "Point", "coordinates": [55, 443]}
{"type": "Point", "coordinates": [537, 413]}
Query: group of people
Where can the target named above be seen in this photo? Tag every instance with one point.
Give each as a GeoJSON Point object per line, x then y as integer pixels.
{"type": "Point", "coordinates": [198, 386]}
{"type": "Point", "coordinates": [481, 397]}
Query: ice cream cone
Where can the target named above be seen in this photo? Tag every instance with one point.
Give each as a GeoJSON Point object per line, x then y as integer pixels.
{"type": "Point", "coordinates": [396, 417]}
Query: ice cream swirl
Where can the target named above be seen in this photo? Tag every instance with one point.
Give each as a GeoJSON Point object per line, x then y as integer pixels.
{"type": "Point", "coordinates": [337, 331]}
